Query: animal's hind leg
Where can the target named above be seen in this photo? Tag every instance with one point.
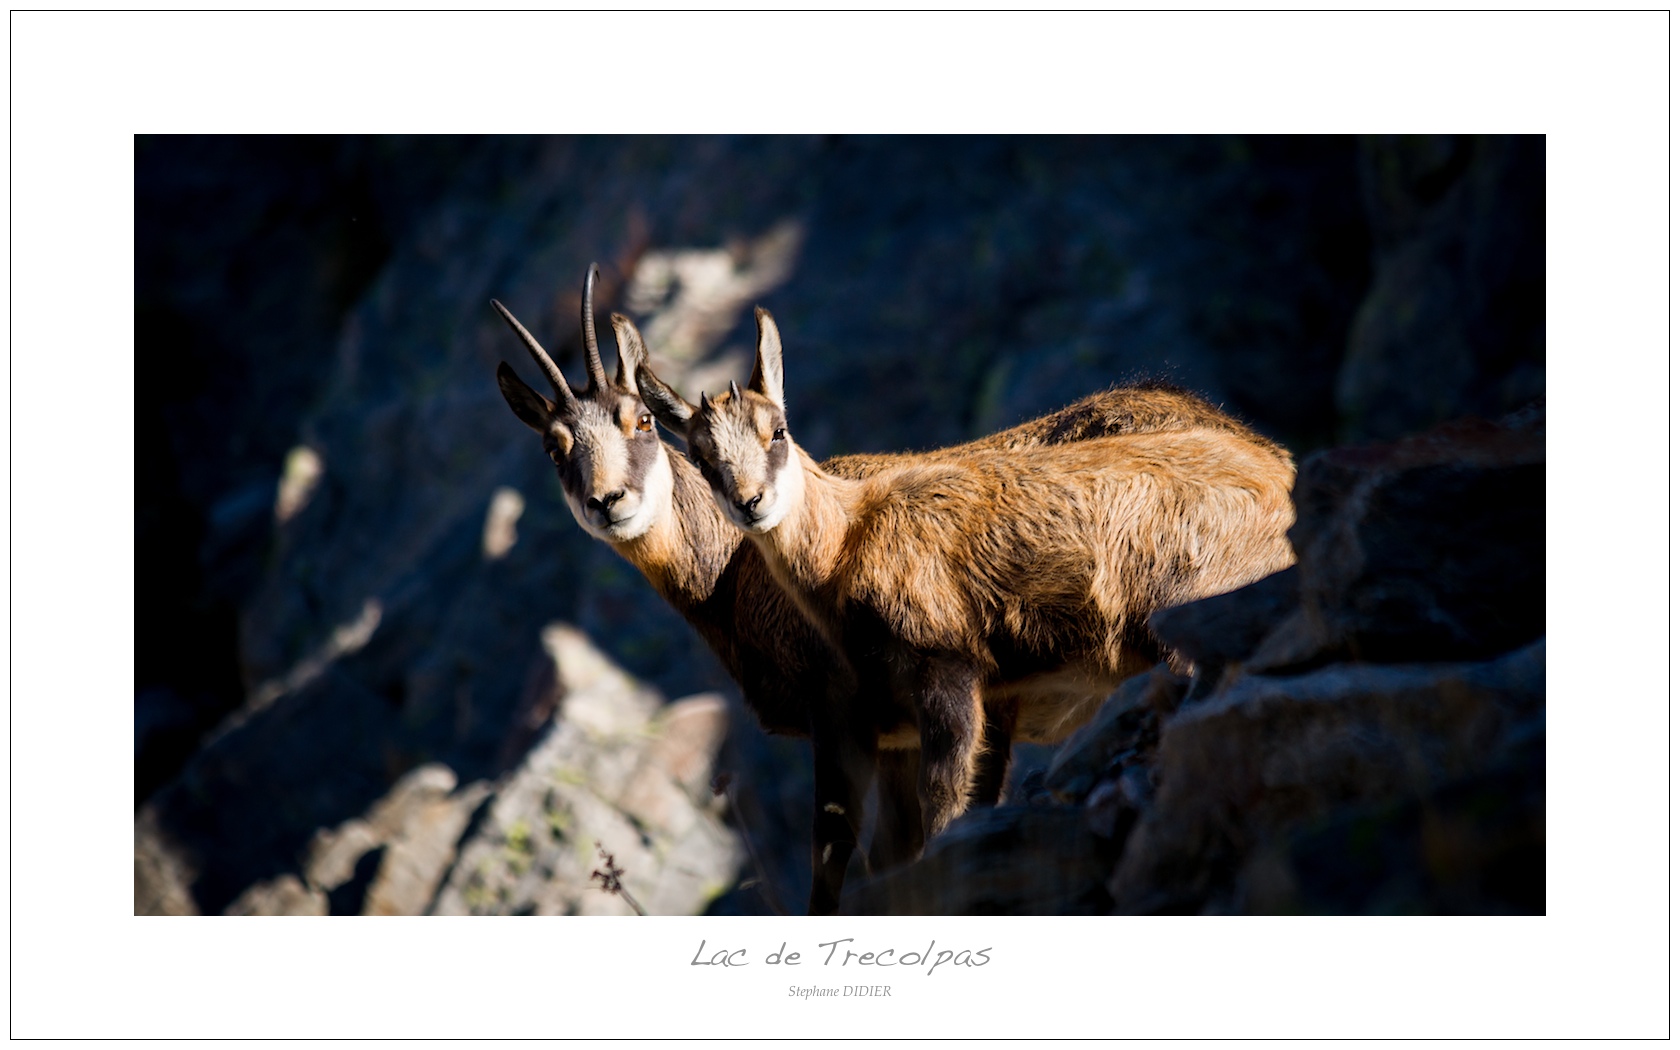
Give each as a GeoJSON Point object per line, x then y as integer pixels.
{"type": "Point", "coordinates": [898, 810]}
{"type": "Point", "coordinates": [949, 718]}
{"type": "Point", "coordinates": [991, 770]}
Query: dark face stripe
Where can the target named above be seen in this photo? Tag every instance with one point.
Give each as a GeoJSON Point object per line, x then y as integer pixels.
{"type": "Point", "coordinates": [644, 447]}
{"type": "Point", "coordinates": [778, 457]}
{"type": "Point", "coordinates": [702, 455]}
{"type": "Point", "coordinates": [575, 467]}
{"type": "Point", "coordinates": [751, 416]}
{"type": "Point", "coordinates": [606, 424]}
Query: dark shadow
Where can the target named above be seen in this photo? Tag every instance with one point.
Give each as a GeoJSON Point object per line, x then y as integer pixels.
{"type": "Point", "coordinates": [248, 252]}
{"type": "Point", "coordinates": [348, 898]}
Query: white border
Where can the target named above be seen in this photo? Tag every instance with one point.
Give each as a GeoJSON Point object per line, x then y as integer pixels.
{"type": "Point", "coordinates": [83, 84]}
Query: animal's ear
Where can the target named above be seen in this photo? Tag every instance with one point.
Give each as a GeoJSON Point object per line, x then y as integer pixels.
{"type": "Point", "coordinates": [632, 352]}
{"type": "Point", "coordinates": [666, 404]}
{"type": "Point", "coordinates": [534, 410]}
{"type": "Point", "coordinates": [767, 369]}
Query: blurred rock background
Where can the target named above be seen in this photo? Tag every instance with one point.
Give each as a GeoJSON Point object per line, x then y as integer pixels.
{"type": "Point", "coordinates": [381, 670]}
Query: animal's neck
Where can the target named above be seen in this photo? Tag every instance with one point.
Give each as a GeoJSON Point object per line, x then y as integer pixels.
{"type": "Point", "coordinates": [805, 547]}
{"type": "Point", "coordinates": [686, 550]}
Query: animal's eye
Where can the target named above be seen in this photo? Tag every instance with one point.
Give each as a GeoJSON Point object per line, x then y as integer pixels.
{"type": "Point", "coordinates": [645, 423]}
{"type": "Point", "coordinates": [554, 454]}
{"type": "Point", "coordinates": [778, 434]}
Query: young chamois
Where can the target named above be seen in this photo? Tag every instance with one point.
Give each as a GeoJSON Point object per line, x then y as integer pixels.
{"type": "Point", "coordinates": [1001, 585]}
{"type": "Point", "coordinates": [651, 505]}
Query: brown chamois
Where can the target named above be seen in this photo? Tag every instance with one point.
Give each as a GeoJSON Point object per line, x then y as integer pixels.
{"type": "Point", "coordinates": [994, 585]}
{"type": "Point", "coordinates": [652, 506]}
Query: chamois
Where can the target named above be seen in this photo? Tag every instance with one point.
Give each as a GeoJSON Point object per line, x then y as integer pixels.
{"type": "Point", "coordinates": [651, 505]}
{"type": "Point", "coordinates": [996, 584]}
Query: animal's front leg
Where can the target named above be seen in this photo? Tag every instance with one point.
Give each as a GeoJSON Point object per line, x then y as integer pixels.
{"type": "Point", "coordinates": [950, 719]}
{"type": "Point", "coordinates": [845, 762]}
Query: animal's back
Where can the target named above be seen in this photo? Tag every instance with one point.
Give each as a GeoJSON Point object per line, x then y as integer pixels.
{"type": "Point", "coordinates": [1140, 408]}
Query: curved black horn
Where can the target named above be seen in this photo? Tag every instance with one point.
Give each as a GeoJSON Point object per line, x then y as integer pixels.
{"type": "Point", "coordinates": [561, 389]}
{"type": "Point", "coordinates": [592, 349]}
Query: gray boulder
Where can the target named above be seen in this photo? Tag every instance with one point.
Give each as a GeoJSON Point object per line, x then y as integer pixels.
{"type": "Point", "coordinates": [1267, 755]}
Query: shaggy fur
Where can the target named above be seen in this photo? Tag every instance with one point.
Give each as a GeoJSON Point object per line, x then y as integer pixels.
{"type": "Point", "coordinates": [791, 678]}
{"type": "Point", "coordinates": [1002, 577]}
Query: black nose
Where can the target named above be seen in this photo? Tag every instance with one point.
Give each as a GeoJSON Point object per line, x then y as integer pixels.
{"type": "Point", "coordinates": [751, 504]}
{"type": "Point", "coordinates": [601, 503]}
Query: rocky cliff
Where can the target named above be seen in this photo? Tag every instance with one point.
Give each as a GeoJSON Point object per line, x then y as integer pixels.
{"type": "Point", "coordinates": [380, 669]}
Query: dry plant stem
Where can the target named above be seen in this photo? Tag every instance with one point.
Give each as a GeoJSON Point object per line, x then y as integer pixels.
{"type": "Point", "coordinates": [610, 881]}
